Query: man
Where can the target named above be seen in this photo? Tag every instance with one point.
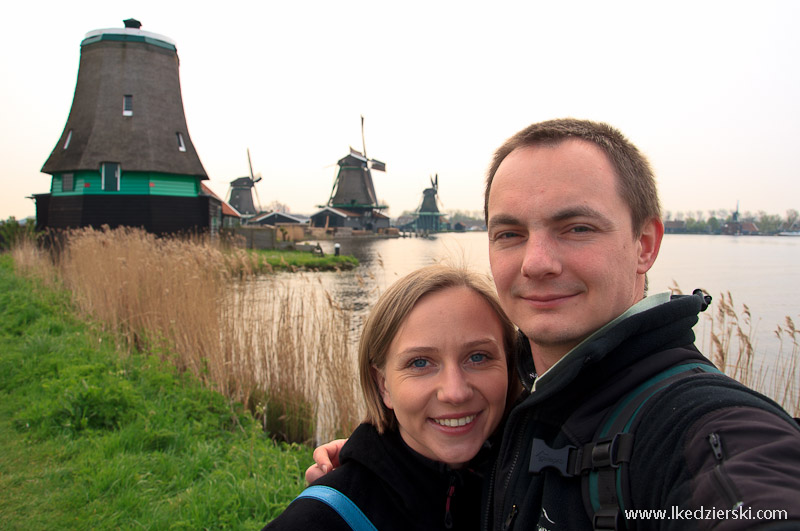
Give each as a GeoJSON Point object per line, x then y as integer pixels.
{"type": "Point", "coordinates": [574, 225]}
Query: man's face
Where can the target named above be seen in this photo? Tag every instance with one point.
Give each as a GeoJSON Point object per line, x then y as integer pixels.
{"type": "Point", "coordinates": [561, 245]}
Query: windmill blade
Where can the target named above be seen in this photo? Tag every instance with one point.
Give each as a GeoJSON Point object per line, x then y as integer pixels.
{"type": "Point", "coordinates": [377, 165]}
{"type": "Point", "coordinates": [249, 163]}
{"type": "Point", "coordinates": [363, 142]}
{"type": "Point", "coordinates": [258, 199]}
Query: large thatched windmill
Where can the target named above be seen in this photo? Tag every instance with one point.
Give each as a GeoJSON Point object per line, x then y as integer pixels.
{"type": "Point", "coordinates": [429, 218]}
{"type": "Point", "coordinates": [353, 202]}
{"type": "Point", "coordinates": [125, 156]}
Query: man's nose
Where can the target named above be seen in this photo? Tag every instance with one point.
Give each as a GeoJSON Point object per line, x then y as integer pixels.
{"type": "Point", "coordinates": [541, 256]}
{"type": "Point", "coordinates": [454, 386]}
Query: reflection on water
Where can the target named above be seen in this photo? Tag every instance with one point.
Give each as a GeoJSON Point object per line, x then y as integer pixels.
{"type": "Point", "coordinates": [759, 271]}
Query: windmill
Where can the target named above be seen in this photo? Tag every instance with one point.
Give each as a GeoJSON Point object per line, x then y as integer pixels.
{"type": "Point", "coordinates": [240, 195]}
{"type": "Point", "coordinates": [125, 157]}
{"type": "Point", "coordinates": [428, 214]}
{"type": "Point", "coordinates": [353, 189]}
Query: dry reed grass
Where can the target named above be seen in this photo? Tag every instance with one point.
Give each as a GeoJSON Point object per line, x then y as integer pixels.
{"type": "Point", "coordinates": [728, 341]}
{"type": "Point", "coordinates": [284, 350]}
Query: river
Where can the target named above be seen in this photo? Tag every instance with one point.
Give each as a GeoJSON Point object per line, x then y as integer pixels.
{"type": "Point", "coordinates": [759, 271]}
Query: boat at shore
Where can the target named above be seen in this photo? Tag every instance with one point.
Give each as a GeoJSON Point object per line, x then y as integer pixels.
{"type": "Point", "coordinates": [789, 233]}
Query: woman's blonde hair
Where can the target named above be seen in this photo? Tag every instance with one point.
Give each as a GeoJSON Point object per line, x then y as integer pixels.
{"type": "Point", "coordinates": [391, 311]}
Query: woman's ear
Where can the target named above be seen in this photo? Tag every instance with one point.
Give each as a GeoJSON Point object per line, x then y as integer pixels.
{"type": "Point", "coordinates": [380, 379]}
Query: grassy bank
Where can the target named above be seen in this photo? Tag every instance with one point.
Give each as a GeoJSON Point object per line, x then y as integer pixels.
{"type": "Point", "coordinates": [98, 438]}
{"type": "Point", "coordinates": [305, 261]}
{"type": "Point", "coordinates": [280, 345]}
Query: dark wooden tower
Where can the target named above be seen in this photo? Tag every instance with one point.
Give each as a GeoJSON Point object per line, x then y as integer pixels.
{"type": "Point", "coordinates": [240, 195]}
{"type": "Point", "coordinates": [354, 191]}
{"type": "Point", "coordinates": [125, 156]}
{"type": "Point", "coordinates": [353, 188]}
{"type": "Point", "coordinates": [428, 215]}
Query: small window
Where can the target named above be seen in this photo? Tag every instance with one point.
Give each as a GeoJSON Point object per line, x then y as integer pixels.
{"type": "Point", "coordinates": [67, 182]}
{"type": "Point", "coordinates": [127, 105]}
{"type": "Point", "coordinates": [110, 174]}
{"type": "Point", "coordinates": [181, 145]}
{"type": "Point", "coordinates": [68, 140]}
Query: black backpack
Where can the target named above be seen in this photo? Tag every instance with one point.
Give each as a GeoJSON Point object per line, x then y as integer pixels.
{"type": "Point", "coordinates": [603, 462]}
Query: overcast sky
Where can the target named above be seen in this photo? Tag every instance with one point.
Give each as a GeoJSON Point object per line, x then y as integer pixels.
{"type": "Point", "coordinates": [710, 91]}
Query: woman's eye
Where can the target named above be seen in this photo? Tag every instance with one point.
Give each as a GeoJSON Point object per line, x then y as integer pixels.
{"type": "Point", "coordinates": [419, 363]}
{"type": "Point", "coordinates": [478, 357]}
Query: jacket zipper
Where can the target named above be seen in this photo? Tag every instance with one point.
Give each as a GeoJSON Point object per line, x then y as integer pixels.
{"type": "Point", "coordinates": [510, 519]}
{"type": "Point", "coordinates": [487, 508]}
{"type": "Point", "coordinates": [722, 479]}
{"type": "Point", "coordinates": [448, 516]}
{"type": "Point", "coordinates": [516, 448]}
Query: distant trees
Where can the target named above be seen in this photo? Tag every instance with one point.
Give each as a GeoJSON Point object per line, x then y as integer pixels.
{"type": "Point", "coordinates": [12, 231]}
{"type": "Point", "coordinates": [695, 222]}
{"type": "Point", "coordinates": [467, 217]}
{"type": "Point", "coordinates": [277, 206]}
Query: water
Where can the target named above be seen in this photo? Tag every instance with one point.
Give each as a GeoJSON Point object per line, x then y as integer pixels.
{"type": "Point", "coordinates": [759, 271]}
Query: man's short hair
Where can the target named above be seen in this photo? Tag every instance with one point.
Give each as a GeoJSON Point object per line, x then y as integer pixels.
{"type": "Point", "coordinates": [391, 311]}
{"type": "Point", "coordinates": [635, 180]}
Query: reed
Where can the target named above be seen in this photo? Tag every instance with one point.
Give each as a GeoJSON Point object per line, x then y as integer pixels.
{"type": "Point", "coordinates": [287, 348]}
{"type": "Point", "coordinates": [727, 337]}
{"type": "Point", "coordinates": [283, 349]}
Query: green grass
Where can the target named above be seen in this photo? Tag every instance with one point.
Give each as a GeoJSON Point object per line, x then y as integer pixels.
{"type": "Point", "coordinates": [302, 260]}
{"type": "Point", "coordinates": [93, 438]}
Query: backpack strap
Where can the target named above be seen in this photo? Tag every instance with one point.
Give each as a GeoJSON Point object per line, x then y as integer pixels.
{"type": "Point", "coordinates": [604, 461]}
{"type": "Point", "coordinates": [340, 503]}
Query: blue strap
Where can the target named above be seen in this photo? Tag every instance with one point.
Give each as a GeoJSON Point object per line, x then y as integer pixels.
{"type": "Point", "coordinates": [343, 505]}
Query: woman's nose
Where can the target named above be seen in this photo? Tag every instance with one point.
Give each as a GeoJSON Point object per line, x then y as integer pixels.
{"type": "Point", "coordinates": [454, 386]}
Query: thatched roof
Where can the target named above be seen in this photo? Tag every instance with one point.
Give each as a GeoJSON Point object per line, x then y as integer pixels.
{"type": "Point", "coordinates": [429, 201]}
{"type": "Point", "coordinates": [354, 183]}
{"type": "Point", "coordinates": [115, 63]}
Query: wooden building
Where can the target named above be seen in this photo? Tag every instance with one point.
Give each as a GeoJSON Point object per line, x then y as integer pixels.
{"type": "Point", "coordinates": [333, 218]}
{"type": "Point", "coordinates": [125, 156]}
{"type": "Point", "coordinates": [277, 218]}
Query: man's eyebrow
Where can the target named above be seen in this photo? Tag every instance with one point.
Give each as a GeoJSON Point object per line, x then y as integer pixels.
{"type": "Point", "coordinates": [580, 211]}
{"type": "Point", "coordinates": [503, 219]}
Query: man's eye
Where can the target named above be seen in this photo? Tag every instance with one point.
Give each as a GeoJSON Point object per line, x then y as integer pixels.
{"type": "Point", "coordinates": [505, 235]}
{"type": "Point", "coordinates": [581, 228]}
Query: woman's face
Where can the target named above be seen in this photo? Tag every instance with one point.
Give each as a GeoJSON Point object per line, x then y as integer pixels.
{"type": "Point", "coordinates": [445, 376]}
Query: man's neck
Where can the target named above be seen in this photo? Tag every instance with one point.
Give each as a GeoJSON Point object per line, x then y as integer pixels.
{"type": "Point", "coordinates": [546, 356]}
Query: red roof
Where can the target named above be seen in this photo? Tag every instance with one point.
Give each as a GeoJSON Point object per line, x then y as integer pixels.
{"type": "Point", "coordinates": [227, 210]}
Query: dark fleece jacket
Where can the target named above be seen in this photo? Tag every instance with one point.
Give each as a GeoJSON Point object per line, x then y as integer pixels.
{"type": "Point", "coordinates": [394, 486]}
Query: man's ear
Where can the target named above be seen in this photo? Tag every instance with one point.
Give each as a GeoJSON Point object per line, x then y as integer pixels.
{"type": "Point", "coordinates": [649, 244]}
{"type": "Point", "coordinates": [380, 379]}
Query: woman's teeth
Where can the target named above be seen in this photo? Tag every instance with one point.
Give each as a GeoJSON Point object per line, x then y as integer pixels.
{"type": "Point", "coordinates": [454, 423]}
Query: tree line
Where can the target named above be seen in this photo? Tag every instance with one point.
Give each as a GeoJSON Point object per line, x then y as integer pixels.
{"type": "Point", "coordinates": [712, 221]}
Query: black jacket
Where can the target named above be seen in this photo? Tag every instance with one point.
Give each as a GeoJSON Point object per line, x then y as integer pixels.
{"type": "Point", "coordinates": [394, 486]}
{"type": "Point", "coordinates": [674, 466]}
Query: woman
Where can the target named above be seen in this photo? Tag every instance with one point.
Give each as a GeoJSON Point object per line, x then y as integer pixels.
{"type": "Point", "coordinates": [435, 375]}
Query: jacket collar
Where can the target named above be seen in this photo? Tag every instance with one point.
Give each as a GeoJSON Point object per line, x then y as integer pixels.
{"type": "Point", "coordinates": [654, 323]}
